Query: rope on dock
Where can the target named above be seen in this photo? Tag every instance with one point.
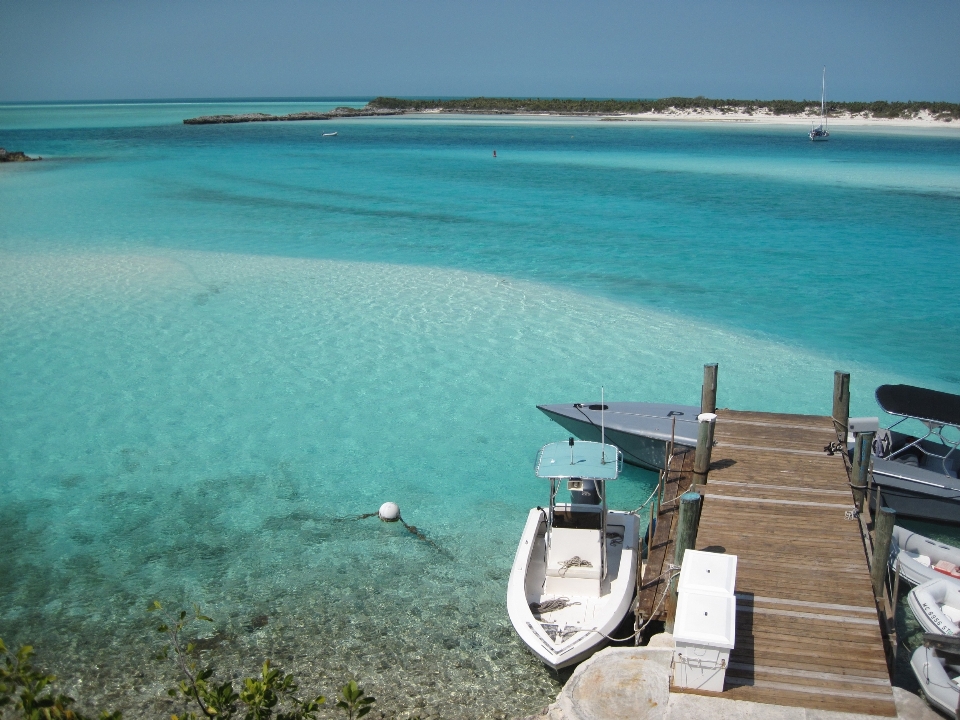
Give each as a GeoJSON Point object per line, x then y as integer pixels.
{"type": "Point", "coordinates": [671, 569]}
{"type": "Point", "coordinates": [647, 501]}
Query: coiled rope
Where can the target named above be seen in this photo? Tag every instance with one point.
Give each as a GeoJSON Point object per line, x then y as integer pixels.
{"type": "Point", "coordinates": [575, 561]}
{"type": "Point", "coordinates": [551, 605]}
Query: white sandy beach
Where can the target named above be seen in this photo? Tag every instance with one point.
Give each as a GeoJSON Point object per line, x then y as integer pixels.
{"type": "Point", "coordinates": [921, 120]}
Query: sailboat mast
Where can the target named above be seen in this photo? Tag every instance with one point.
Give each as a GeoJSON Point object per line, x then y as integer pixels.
{"type": "Point", "coordinates": [823, 97]}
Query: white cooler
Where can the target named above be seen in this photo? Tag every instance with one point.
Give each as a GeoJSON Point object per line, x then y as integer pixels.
{"type": "Point", "coordinates": [705, 626]}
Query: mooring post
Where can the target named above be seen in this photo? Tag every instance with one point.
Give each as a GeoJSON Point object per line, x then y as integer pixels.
{"type": "Point", "coordinates": [685, 539]}
{"type": "Point", "coordinates": [862, 451]}
{"type": "Point", "coordinates": [701, 461]}
{"type": "Point", "coordinates": [841, 404]}
{"type": "Point", "coordinates": [883, 523]}
{"type": "Point", "coordinates": [651, 527]}
{"type": "Point", "coordinates": [708, 393]}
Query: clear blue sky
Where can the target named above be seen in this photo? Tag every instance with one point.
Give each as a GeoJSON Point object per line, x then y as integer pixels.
{"type": "Point", "coordinates": [134, 49]}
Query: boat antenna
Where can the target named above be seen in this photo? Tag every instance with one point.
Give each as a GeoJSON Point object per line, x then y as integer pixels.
{"type": "Point", "coordinates": [603, 438]}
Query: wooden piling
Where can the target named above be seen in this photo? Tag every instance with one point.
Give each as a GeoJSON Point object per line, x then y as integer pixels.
{"type": "Point", "coordinates": [841, 404]}
{"type": "Point", "coordinates": [701, 463]}
{"type": "Point", "coordinates": [884, 520]}
{"type": "Point", "coordinates": [859, 475]}
{"type": "Point", "coordinates": [686, 538]}
{"type": "Point", "coordinates": [651, 525]}
{"type": "Point", "coordinates": [708, 393]}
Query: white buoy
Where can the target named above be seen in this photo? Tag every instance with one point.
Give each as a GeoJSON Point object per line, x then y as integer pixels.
{"type": "Point", "coordinates": [389, 512]}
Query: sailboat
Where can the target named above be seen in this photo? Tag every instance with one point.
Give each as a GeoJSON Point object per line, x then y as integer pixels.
{"type": "Point", "coordinates": [820, 131]}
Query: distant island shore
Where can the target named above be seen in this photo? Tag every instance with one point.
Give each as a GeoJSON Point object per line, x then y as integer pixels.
{"type": "Point", "coordinates": [339, 112]}
{"type": "Point", "coordinates": [15, 156]}
{"type": "Point", "coordinates": [675, 108]}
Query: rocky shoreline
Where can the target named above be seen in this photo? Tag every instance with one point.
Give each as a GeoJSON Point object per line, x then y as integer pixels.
{"type": "Point", "coordinates": [16, 156]}
{"type": "Point", "coordinates": [340, 112]}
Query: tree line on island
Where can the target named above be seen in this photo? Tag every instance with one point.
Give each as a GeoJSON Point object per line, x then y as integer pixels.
{"type": "Point", "coordinates": [882, 109]}
{"type": "Point", "coordinates": [561, 106]}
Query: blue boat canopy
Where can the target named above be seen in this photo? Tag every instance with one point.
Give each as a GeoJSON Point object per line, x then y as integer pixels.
{"type": "Point", "coordinates": [591, 461]}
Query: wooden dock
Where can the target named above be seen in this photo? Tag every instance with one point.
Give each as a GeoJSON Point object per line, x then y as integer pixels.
{"type": "Point", "coordinates": [808, 630]}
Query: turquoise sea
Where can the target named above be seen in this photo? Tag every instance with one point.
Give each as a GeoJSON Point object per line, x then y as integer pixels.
{"type": "Point", "coordinates": [219, 345]}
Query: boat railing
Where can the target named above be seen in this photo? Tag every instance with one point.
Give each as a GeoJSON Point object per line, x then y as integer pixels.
{"type": "Point", "coordinates": [934, 431]}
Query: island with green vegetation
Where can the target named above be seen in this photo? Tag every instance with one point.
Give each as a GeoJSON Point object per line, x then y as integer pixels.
{"type": "Point", "coordinates": [673, 107]}
{"type": "Point", "coordinates": [880, 109]}
{"type": "Point", "coordinates": [339, 112]}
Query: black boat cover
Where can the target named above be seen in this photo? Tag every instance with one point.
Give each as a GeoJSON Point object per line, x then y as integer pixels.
{"type": "Point", "coordinates": [931, 405]}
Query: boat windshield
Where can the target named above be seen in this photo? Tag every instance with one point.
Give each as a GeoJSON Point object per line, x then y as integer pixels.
{"type": "Point", "coordinates": [579, 459]}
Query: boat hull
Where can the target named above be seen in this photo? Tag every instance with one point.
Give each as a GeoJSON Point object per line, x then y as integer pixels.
{"type": "Point", "coordinates": [917, 493]}
{"type": "Point", "coordinates": [908, 546]}
{"type": "Point", "coordinates": [641, 430]}
{"type": "Point", "coordinates": [599, 616]}
{"type": "Point", "coordinates": [939, 690]}
{"type": "Point", "coordinates": [926, 602]}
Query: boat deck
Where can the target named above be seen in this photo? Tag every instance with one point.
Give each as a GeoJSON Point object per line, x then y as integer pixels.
{"type": "Point", "coordinates": [808, 632]}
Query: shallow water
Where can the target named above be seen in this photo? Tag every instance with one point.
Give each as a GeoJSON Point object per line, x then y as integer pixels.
{"type": "Point", "coordinates": [222, 344]}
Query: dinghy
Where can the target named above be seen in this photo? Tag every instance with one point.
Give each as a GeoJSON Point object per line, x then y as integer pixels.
{"type": "Point", "coordinates": [936, 605]}
{"type": "Point", "coordinates": [922, 559]}
{"type": "Point", "coordinates": [575, 571]}
{"type": "Point", "coordinates": [937, 667]}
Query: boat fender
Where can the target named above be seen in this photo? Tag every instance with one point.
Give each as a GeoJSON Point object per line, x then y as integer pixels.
{"type": "Point", "coordinates": [389, 512]}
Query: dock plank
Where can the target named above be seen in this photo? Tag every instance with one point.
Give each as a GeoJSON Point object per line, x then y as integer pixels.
{"type": "Point", "coordinates": [808, 633]}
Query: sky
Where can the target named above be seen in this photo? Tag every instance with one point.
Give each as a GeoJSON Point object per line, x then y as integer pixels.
{"type": "Point", "coordinates": [134, 49]}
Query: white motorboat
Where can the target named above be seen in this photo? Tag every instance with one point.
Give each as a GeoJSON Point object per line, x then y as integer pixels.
{"type": "Point", "coordinates": [936, 606]}
{"type": "Point", "coordinates": [921, 559]}
{"type": "Point", "coordinates": [333, 134]}
{"type": "Point", "coordinates": [937, 667]}
{"type": "Point", "coordinates": [819, 133]}
{"type": "Point", "coordinates": [575, 571]}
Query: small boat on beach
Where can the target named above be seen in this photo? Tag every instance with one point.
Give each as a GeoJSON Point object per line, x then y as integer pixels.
{"type": "Point", "coordinates": [917, 474]}
{"type": "Point", "coordinates": [819, 133]}
{"type": "Point", "coordinates": [641, 430]}
{"type": "Point", "coordinates": [920, 559]}
{"type": "Point", "coordinates": [936, 665]}
{"type": "Point", "coordinates": [575, 570]}
{"type": "Point", "coordinates": [936, 606]}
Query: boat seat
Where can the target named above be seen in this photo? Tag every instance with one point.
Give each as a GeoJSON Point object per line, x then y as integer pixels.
{"type": "Point", "coordinates": [567, 543]}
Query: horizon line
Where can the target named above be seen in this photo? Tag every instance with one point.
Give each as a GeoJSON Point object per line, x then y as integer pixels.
{"type": "Point", "coordinates": [368, 98]}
